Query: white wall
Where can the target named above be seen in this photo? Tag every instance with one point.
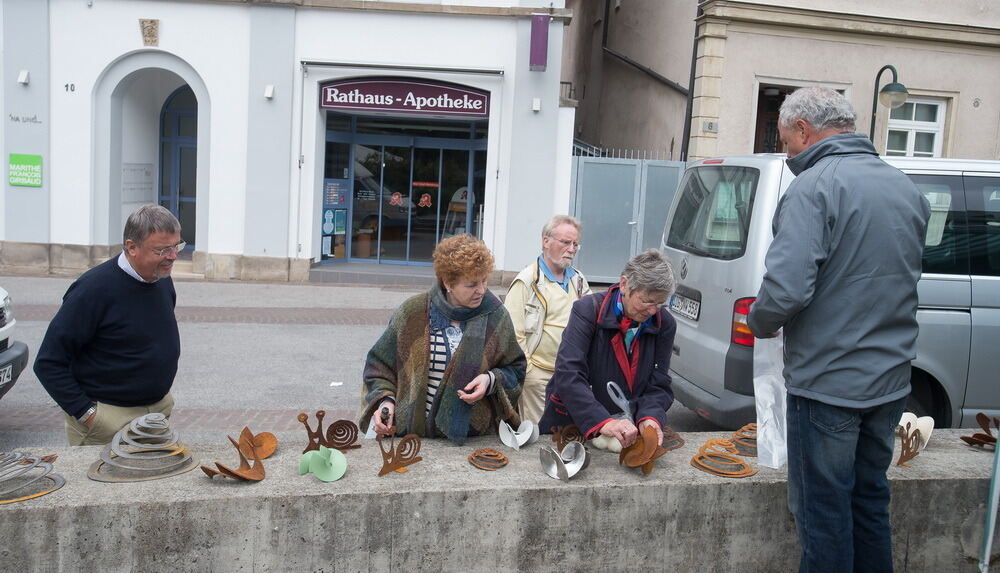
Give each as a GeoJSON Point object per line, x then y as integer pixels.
{"type": "Point", "coordinates": [92, 38]}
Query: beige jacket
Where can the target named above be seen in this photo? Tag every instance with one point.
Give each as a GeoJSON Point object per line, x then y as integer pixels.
{"type": "Point", "coordinates": [540, 309]}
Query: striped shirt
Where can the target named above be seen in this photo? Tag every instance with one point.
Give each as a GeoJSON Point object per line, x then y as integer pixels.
{"type": "Point", "coordinates": [443, 346]}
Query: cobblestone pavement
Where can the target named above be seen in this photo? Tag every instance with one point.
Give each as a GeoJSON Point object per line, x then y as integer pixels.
{"type": "Point", "coordinates": [263, 353]}
{"type": "Point", "coordinates": [44, 419]}
{"type": "Point", "coordinates": [272, 315]}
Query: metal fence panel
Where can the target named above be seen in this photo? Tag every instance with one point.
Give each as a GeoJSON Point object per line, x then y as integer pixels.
{"type": "Point", "coordinates": [623, 205]}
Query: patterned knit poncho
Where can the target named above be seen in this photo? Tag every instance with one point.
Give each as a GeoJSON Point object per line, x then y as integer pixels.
{"type": "Point", "coordinates": [397, 367]}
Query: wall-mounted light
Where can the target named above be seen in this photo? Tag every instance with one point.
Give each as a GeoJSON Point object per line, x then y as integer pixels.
{"type": "Point", "coordinates": [23, 77]}
{"type": "Point", "coordinates": [269, 91]}
{"type": "Point", "coordinates": [536, 104]}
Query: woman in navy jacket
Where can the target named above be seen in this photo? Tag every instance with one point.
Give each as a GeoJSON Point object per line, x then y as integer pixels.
{"type": "Point", "coordinates": [625, 336]}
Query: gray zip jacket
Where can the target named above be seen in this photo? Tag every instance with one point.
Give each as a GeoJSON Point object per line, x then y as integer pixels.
{"type": "Point", "coordinates": [841, 275]}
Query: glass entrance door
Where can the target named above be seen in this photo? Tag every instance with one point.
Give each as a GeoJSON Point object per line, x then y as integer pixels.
{"type": "Point", "coordinates": [409, 184]}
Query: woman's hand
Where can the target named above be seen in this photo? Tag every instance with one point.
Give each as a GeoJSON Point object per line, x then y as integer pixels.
{"type": "Point", "coordinates": [385, 429]}
{"type": "Point", "coordinates": [659, 431]}
{"type": "Point", "coordinates": [621, 429]}
{"type": "Point", "coordinates": [475, 390]}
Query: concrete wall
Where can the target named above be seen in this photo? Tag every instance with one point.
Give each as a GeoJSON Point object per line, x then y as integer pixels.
{"type": "Point", "coordinates": [445, 515]}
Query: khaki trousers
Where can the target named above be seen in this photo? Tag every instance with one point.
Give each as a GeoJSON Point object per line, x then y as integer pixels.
{"type": "Point", "coordinates": [531, 404]}
{"type": "Point", "coordinates": [109, 419]}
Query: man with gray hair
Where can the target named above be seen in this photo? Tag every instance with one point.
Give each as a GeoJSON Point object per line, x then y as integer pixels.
{"type": "Point", "coordinates": [625, 336]}
{"type": "Point", "coordinates": [110, 354]}
{"type": "Point", "coordinates": [841, 280]}
{"type": "Point", "coordinates": [539, 302]}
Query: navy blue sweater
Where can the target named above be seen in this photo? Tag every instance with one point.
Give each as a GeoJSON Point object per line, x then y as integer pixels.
{"type": "Point", "coordinates": [114, 340]}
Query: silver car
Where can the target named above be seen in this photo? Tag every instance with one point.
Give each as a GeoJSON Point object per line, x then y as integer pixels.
{"type": "Point", "coordinates": [718, 231]}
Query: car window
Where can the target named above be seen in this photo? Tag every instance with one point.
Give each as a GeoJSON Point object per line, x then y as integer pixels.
{"type": "Point", "coordinates": [713, 211]}
{"type": "Point", "coordinates": [983, 194]}
{"type": "Point", "coordinates": [945, 248]}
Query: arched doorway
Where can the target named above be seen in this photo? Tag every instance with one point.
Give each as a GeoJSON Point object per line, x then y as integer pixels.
{"type": "Point", "coordinates": [179, 160]}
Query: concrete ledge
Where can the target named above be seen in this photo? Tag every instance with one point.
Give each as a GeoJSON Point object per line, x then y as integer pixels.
{"type": "Point", "coordinates": [53, 258]}
{"type": "Point", "coordinates": [445, 515]}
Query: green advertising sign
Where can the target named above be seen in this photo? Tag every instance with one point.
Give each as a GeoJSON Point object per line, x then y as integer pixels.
{"type": "Point", "coordinates": [24, 170]}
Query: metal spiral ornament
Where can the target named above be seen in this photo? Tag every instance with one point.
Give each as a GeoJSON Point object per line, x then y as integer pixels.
{"type": "Point", "coordinates": [342, 435]}
{"type": "Point", "coordinates": [24, 477]}
{"type": "Point", "coordinates": [146, 449]}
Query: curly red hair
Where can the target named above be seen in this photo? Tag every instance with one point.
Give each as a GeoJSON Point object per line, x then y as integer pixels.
{"type": "Point", "coordinates": [462, 257]}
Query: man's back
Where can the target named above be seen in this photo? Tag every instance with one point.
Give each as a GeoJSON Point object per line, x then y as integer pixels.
{"type": "Point", "coordinates": [855, 227]}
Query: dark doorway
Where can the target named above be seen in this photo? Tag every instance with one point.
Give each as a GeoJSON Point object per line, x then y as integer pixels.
{"type": "Point", "coordinates": [179, 160]}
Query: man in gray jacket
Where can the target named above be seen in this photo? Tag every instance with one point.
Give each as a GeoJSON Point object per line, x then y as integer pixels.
{"type": "Point", "coordinates": [841, 280]}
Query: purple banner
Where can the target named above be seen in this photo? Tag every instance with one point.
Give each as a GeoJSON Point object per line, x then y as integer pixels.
{"type": "Point", "coordinates": [539, 55]}
{"type": "Point", "coordinates": [425, 97]}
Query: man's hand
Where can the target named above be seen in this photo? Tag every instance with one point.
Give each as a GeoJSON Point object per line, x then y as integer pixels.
{"type": "Point", "coordinates": [659, 431]}
{"type": "Point", "coordinates": [89, 422]}
{"type": "Point", "coordinates": [385, 428]}
{"type": "Point", "coordinates": [475, 390]}
{"type": "Point", "coordinates": [621, 429]}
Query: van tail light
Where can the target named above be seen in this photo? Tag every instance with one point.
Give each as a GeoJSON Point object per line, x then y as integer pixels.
{"type": "Point", "coordinates": [741, 332]}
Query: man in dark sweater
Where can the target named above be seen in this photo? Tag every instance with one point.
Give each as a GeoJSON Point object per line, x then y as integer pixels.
{"type": "Point", "coordinates": [110, 354]}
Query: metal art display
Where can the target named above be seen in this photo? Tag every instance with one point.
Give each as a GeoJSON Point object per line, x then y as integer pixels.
{"type": "Point", "coordinates": [396, 457]}
{"type": "Point", "coordinates": [671, 439]}
{"type": "Point", "coordinates": [566, 463]}
{"type": "Point", "coordinates": [909, 444]}
{"type": "Point", "coordinates": [745, 440]}
{"type": "Point", "coordinates": [525, 434]}
{"type": "Point", "coordinates": [643, 452]}
{"type": "Point", "coordinates": [563, 435]}
{"type": "Point", "coordinates": [257, 447]}
{"type": "Point", "coordinates": [146, 449]}
{"type": "Point", "coordinates": [488, 459]}
{"type": "Point", "coordinates": [719, 457]}
{"type": "Point", "coordinates": [341, 435]}
{"type": "Point", "coordinates": [327, 464]}
{"type": "Point", "coordinates": [24, 477]}
{"type": "Point", "coordinates": [985, 440]}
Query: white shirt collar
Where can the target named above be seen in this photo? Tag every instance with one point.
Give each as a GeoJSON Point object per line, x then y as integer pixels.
{"type": "Point", "coordinates": [127, 267]}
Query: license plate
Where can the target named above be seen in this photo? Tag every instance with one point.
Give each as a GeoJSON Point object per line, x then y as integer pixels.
{"type": "Point", "coordinates": [6, 373]}
{"type": "Point", "coordinates": [685, 306]}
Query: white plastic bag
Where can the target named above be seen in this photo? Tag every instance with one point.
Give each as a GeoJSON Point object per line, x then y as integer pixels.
{"type": "Point", "coordinates": [769, 390]}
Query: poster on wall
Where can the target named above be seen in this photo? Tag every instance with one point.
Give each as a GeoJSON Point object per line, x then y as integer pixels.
{"type": "Point", "coordinates": [24, 170]}
{"type": "Point", "coordinates": [137, 182]}
{"type": "Point", "coordinates": [334, 192]}
{"type": "Point", "coordinates": [340, 222]}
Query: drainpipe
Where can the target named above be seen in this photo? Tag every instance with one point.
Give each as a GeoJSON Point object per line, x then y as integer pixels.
{"type": "Point", "coordinates": [686, 138]}
{"type": "Point", "coordinates": [629, 61]}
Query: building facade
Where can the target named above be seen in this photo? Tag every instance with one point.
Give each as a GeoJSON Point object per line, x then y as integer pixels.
{"type": "Point", "coordinates": [746, 56]}
{"type": "Point", "coordinates": [283, 135]}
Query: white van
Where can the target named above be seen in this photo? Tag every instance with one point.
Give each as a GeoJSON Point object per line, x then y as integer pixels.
{"type": "Point", "coordinates": [718, 231]}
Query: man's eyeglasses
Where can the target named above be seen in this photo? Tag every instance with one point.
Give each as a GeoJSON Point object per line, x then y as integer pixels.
{"type": "Point", "coordinates": [167, 250]}
{"type": "Point", "coordinates": [566, 243]}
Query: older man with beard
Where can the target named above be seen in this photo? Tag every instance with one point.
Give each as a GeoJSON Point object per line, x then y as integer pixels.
{"type": "Point", "coordinates": [539, 302]}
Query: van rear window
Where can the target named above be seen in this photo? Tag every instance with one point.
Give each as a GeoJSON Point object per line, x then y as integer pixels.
{"type": "Point", "coordinates": [713, 211]}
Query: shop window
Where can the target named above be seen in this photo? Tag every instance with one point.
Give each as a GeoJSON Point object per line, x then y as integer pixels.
{"type": "Point", "coordinates": [916, 129]}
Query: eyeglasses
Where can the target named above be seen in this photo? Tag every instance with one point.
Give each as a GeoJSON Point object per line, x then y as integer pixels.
{"type": "Point", "coordinates": [167, 250]}
{"type": "Point", "coordinates": [566, 243]}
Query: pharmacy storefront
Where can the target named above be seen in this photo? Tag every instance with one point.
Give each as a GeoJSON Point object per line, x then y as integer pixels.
{"type": "Point", "coordinates": [288, 139]}
{"type": "Point", "coordinates": [404, 167]}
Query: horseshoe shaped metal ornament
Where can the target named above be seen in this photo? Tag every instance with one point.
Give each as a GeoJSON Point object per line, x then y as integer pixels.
{"type": "Point", "coordinates": [573, 459]}
{"type": "Point", "coordinates": [525, 434]}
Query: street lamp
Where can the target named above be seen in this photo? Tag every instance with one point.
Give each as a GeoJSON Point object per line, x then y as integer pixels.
{"type": "Point", "coordinates": [893, 95]}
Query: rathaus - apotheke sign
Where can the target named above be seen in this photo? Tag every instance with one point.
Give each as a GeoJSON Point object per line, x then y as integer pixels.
{"type": "Point", "coordinates": [398, 95]}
